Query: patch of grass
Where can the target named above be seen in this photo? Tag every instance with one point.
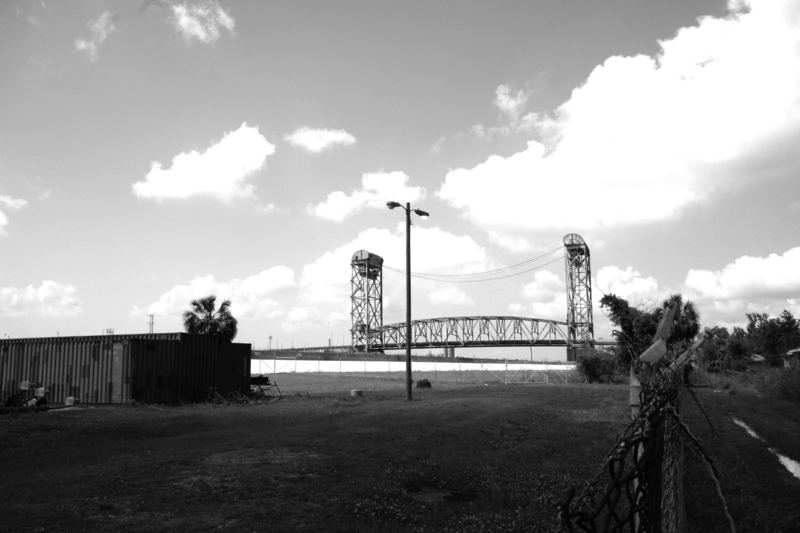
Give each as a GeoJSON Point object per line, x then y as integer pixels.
{"type": "Point", "coordinates": [491, 458]}
{"type": "Point", "coordinates": [458, 458]}
{"type": "Point", "coordinates": [761, 493]}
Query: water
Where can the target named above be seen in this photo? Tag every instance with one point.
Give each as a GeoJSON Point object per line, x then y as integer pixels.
{"type": "Point", "coordinates": [790, 464]}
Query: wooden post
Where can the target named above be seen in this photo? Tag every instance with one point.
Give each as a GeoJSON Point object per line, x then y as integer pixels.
{"type": "Point", "coordinates": [634, 394]}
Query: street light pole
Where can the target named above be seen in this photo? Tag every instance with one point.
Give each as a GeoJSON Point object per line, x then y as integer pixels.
{"type": "Point", "coordinates": [423, 214]}
{"type": "Point", "coordinates": [408, 301]}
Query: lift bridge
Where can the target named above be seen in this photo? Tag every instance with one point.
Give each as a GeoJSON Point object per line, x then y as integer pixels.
{"type": "Point", "coordinates": [369, 334]}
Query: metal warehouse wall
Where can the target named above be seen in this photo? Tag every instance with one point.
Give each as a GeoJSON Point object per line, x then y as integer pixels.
{"type": "Point", "coordinates": [165, 367]}
{"type": "Point", "coordinates": [187, 370]}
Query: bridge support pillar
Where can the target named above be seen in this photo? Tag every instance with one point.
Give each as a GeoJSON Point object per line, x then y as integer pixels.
{"type": "Point", "coordinates": [580, 323]}
{"type": "Point", "coordinates": [366, 311]}
{"type": "Point", "coordinates": [450, 352]}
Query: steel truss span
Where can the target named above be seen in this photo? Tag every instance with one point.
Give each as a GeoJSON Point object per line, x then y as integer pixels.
{"type": "Point", "coordinates": [474, 331]}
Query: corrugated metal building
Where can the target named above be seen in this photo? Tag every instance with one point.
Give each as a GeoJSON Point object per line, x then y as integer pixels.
{"type": "Point", "coordinates": [119, 369]}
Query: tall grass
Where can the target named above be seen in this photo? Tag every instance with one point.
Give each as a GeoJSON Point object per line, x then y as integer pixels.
{"type": "Point", "coordinates": [782, 383]}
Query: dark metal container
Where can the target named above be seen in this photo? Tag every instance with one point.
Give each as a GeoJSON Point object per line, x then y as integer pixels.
{"type": "Point", "coordinates": [119, 369]}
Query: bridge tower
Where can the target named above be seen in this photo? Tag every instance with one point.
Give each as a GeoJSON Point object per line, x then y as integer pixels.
{"type": "Point", "coordinates": [580, 324]}
{"type": "Point", "coordinates": [366, 311]}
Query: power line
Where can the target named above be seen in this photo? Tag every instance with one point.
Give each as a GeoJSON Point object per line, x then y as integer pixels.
{"type": "Point", "coordinates": [488, 275]}
{"type": "Point", "coordinates": [496, 270]}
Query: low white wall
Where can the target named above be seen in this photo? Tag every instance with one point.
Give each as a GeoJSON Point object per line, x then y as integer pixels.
{"type": "Point", "coordinates": [278, 366]}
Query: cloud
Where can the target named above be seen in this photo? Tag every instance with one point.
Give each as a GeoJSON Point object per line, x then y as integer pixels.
{"type": "Point", "coordinates": [220, 172]}
{"type": "Point", "coordinates": [646, 137]}
{"type": "Point", "coordinates": [746, 277]}
{"type": "Point", "coordinates": [99, 30]}
{"type": "Point", "coordinates": [49, 299]}
{"type": "Point", "coordinates": [319, 140]}
{"type": "Point", "coordinates": [324, 288]}
{"type": "Point", "coordinates": [747, 285]}
{"type": "Point", "coordinates": [629, 284]}
{"type": "Point", "coordinates": [251, 297]}
{"type": "Point", "coordinates": [203, 22]}
{"type": "Point", "coordinates": [450, 296]}
{"type": "Point", "coordinates": [511, 103]}
{"type": "Point", "coordinates": [9, 202]}
{"type": "Point", "coordinates": [377, 188]}
{"type": "Point", "coordinates": [544, 297]}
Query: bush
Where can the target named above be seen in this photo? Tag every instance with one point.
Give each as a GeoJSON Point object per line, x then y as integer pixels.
{"type": "Point", "coordinates": [783, 383]}
{"type": "Point", "coordinates": [597, 366]}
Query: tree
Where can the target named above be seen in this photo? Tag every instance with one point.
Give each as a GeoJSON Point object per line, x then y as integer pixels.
{"type": "Point", "coordinates": [202, 318]}
{"type": "Point", "coordinates": [713, 354]}
{"type": "Point", "coordinates": [636, 327]}
{"type": "Point", "coordinates": [772, 337]}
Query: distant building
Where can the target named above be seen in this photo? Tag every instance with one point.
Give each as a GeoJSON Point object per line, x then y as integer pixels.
{"type": "Point", "coordinates": [791, 357]}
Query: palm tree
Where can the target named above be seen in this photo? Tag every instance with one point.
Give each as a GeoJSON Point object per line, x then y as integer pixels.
{"type": "Point", "coordinates": [203, 319]}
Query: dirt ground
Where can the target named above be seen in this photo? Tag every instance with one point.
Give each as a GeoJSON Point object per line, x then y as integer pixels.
{"type": "Point", "coordinates": [455, 459]}
{"type": "Point", "coordinates": [459, 458]}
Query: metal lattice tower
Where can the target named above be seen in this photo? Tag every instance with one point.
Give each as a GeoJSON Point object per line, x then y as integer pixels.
{"type": "Point", "coordinates": [366, 312]}
{"type": "Point", "coordinates": [580, 324]}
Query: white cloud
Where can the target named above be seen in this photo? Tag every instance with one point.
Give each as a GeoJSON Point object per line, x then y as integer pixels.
{"type": "Point", "coordinates": [221, 171]}
{"type": "Point", "coordinates": [9, 202]}
{"type": "Point", "coordinates": [377, 188]}
{"type": "Point", "coordinates": [645, 137]}
{"type": "Point", "coordinates": [747, 285]}
{"type": "Point", "coordinates": [49, 299]}
{"type": "Point", "coordinates": [452, 296]}
{"type": "Point", "coordinates": [774, 275]}
{"type": "Point", "coordinates": [251, 297]}
{"type": "Point", "coordinates": [201, 21]}
{"type": "Point", "coordinates": [544, 297]}
{"type": "Point", "coordinates": [325, 283]}
{"type": "Point", "coordinates": [511, 102]}
{"type": "Point", "coordinates": [99, 30]}
{"type": "Point", "coordinates": [319, 140]}
{"type": "Point", "coordinates": [629, 284]}
{"type": "Point", "coordinates": [510, 242]}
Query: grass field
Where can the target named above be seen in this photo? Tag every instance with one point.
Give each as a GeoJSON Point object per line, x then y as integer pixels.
{"type": "Point", "coordinates": [458, 458]}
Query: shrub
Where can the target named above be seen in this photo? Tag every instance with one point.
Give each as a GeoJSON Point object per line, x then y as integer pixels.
{"type": "Point", "coordinates": [783, 383]}
{"type": "Point", "coordinates": [597, 366]}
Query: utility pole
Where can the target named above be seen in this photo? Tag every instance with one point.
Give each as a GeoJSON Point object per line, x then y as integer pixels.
{"type": "Point", "coordinates": [151, 322]}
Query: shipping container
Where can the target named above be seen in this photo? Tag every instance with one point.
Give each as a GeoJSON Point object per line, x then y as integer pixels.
{"type": "Point", "coordinates": [120, 369]}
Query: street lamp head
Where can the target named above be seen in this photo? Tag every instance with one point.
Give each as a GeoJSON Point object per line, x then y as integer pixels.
{"type": "Point", "coordinates": [392, 205]}
{"type": "Point", "coordinates": [423, 214]}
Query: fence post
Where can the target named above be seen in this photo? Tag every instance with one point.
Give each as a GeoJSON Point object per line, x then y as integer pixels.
{"type": "Point", "coordinates": [672, 511]}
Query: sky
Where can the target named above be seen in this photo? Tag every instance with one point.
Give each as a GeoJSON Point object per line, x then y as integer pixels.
{"type": "Point", "coordinates": [153, 153]}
